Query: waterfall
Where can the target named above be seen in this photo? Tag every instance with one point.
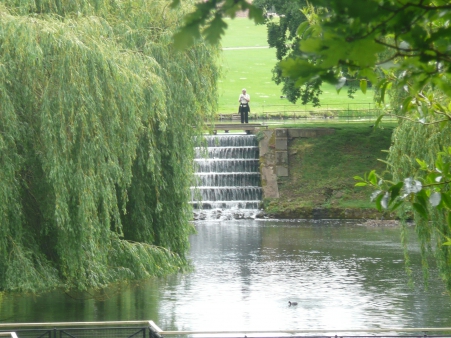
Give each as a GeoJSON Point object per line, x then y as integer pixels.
{"type": "Point", "coordinates": [227, 178]}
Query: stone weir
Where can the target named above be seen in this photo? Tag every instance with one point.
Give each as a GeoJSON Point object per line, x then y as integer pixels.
{"type": "Point", "coordinates": [274, 154]}
{"type": "Point", "coordinates": [227, 178]}
{"type": "Point", "coordinates": [274, 164]}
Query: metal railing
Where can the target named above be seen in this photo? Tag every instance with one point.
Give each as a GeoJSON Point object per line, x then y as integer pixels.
{"type": "Point", "coordinates": [119, 329]}
{"type": "Point", "coordinates": [151, 330]}
{"type": "Point", "coordinates": [8, 334]}
{"type": "Point", "coordinates": [329, 333]}
{"type": "Point", "coordinates": [325, 108]}
{"type": "Point", "coordinates": [353, 112]}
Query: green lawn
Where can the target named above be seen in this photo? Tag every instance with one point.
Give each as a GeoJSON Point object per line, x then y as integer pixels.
{"type": "Point", "coordinates": [322, 168]}
{"type": "Point", "coordinates": [242, 32]}
{"type": "Point", "coordinates": [251, 69]}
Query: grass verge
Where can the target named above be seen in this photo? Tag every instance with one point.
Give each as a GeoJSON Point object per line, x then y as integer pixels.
{"type": "Point", "coordinates": [322, 169]}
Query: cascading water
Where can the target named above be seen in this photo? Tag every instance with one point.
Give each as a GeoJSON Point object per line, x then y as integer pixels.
{"type": "Point", "coordinates": [227, 178]}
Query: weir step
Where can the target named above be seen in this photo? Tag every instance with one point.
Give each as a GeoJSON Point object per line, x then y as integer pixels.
{"type": "Point", "coordinates": [227, 173]}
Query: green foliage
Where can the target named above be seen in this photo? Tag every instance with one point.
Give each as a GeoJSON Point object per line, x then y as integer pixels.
{"type": "Point", "coordinates": [98, 114]}
{"type": "Point", "coordinates": [419, 185]}
{"type": "Point", "coordinates": [251, 68]}
{"type": "Point", "coordinates": [322, 168]}
{"type": "Point", "coordinates": [208, 20]}
{"type": "Point", "coordinates": [282, 35]}
{"type": "Point", "coordinates": [402, 47]}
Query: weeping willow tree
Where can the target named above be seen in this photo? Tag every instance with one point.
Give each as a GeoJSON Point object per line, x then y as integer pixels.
{"type": "Point", "coordinates": [98, 114]}
{"type": "Point", "coordinates": [424, 193]}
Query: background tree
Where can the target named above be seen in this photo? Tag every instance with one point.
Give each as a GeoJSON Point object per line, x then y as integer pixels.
{"type": "Point", "coordinates": [98, 115]}
{"type": "Point", "coordinates": [282, 20]}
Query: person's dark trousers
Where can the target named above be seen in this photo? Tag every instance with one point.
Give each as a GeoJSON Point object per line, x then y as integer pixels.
{"type": "Point", "coordinates": [244, 112]}
{"type": "Point", "coordinates": [244, 117]}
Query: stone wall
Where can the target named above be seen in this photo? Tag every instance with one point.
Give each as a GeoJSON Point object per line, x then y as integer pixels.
{"type": "Point", "coordinates": [274, 154]}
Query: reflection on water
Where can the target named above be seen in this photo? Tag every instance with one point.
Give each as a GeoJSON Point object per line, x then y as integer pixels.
{"type": "Point", "coordinates": [343, 276]}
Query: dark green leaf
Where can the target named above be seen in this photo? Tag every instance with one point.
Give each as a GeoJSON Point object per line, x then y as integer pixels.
{"type": "Point", "coordinates": [186, 37]}
{"type": "Point", "coordinates": [422, 211]}
{"type": "Point", "coordinates": [372, 177]}
{"type": "Point", "coordinates": [175, 3]}
{"type": "Point", "coordinates": [394, 191]}
{"type": "Point", "coordinates": [378, 201]}
{"type": "Point", "coordinates": [378, 120]}
{"type": "Point", "coordinates": [446, 200]}
{"type": "Point", "coordinates": [256, 14]}
{"type": "Point", "coordinates": [363, 85]}
{"type": "Point", "coordinates": [383, 88]}
{"type": "Point", "coordinates": [215, 30]}
{"type": "Point", "coordinates": [406, 104]}
{"type": "Point", "coordinates": [396, 205]}
{"type": "Point", "coordinates": [302, 27]}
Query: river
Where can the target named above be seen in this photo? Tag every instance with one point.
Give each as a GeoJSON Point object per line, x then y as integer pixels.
{"type": "Point", "coordinates": [342, 275]}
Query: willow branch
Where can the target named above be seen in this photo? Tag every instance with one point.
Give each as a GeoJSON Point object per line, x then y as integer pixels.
{"type": "Point", "coordinates": [435, 184]}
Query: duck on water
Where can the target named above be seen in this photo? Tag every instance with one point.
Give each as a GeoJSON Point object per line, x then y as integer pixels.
{"type": "Point", "coordinates": [292, 303]}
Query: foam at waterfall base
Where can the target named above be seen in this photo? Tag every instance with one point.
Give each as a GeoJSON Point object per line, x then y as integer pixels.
{"type": "Point", "coordinates": [225, 214]}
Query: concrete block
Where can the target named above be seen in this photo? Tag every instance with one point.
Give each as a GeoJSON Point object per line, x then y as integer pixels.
{"type": "Point", "coordinates": [281, 144]}
{"type": "Point", "coordinates": [326, 131]}
{"type": "Point", "coordinates": [294, 133]}
{"type": "Point", "coordinates": [281, 157]}
{"type": "Point", "coordinates": [282, 171]}
{"type": "Point", "coordinates": [269, 159]}
{"type": "Point", "coordinates": [270, 187]}
{"type": "Point", "coordinates": [281, 133]}
{"type": "Point", "coordinates": [264, 143]}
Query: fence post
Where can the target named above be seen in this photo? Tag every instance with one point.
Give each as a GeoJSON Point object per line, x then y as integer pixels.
{"type": "Point", "coordinates": [348, 113]}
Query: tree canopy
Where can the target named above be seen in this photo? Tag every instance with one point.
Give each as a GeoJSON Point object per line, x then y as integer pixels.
{"type": "Point", "coordinates": [98, 114]}
{"type": "Point", "coordinates": [282, 20]}
{"type": "Point", "coordinates": [403, 48]}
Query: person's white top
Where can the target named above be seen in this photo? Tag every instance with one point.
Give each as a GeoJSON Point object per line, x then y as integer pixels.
{"type": "Point", "coordinates": [244, 98]}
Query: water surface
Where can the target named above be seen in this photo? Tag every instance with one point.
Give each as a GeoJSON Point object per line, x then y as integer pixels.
{"type": "Point", "coordinates": [343, 276]}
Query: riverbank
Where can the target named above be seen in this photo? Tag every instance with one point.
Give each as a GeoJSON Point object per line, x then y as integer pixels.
{"type": "Point", "coordinates": [320, 184]}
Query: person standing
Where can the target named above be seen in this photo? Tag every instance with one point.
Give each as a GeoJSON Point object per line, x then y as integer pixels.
{"type": "Point", "coordinates": [244, 109]}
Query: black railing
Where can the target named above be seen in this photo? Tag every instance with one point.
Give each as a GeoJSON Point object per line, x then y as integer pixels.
{"type": "Point", "coordinates": [91, 332]}
{"type": "Point", "coordinates": [287, 117]}
{"type": "Point", "coordinates": [113, 329]}
{"type": "Point", "coordinates": [150, 329]}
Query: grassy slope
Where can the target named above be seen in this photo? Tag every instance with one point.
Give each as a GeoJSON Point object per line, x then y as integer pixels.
{"type": "Point", "coordinates": [322, 169]}
{"type": "Point", "coordinates": [251, 69]}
